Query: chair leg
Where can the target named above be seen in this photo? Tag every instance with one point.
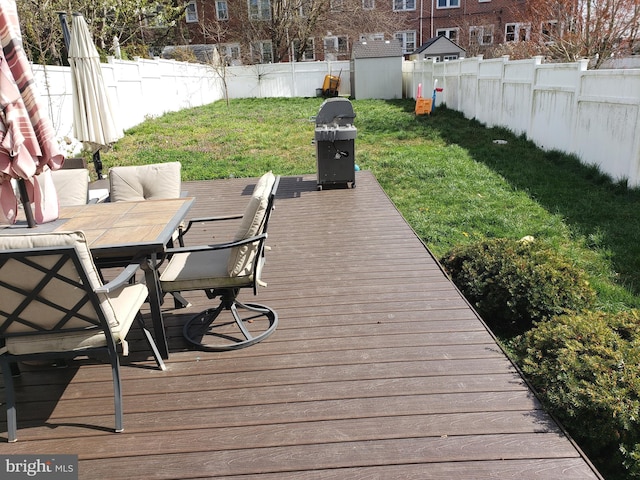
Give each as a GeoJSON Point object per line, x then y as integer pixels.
{"type": "Point", "coordinates": [117, 390]}
{"type": "Point", "coordinates": [152, 344]}
{"type": "Point", "coordinates": [179, 301]}
{"type": "Point", "coordinates": [10, 400]}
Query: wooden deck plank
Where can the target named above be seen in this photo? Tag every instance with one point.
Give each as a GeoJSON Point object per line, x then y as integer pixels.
{"type": "Point", "coordinates": [378, 369]}
{"type": "Point", "coordinates": [286, 458]}
{"type": "Point", "coordinates": [566, 469]}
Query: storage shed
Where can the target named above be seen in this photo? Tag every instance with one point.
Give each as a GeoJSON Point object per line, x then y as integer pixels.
{"type": "Point", "coordinates": [376, 69]}
{"type": "Point", "coordinates": [438, 48]}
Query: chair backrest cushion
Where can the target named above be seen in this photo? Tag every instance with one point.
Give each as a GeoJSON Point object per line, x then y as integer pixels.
{"type": "Point", "coordinates": [17, 273]}
{"type": "Point", "coordinates": [72, 186]}
{"type": "Point", "coordinates": [145, 182]}
{"type": "Point", "coordinates": [241, 258]}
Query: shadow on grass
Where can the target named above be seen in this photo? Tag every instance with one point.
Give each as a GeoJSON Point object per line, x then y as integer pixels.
{"type": "Point", "coordinates": [604, 212]}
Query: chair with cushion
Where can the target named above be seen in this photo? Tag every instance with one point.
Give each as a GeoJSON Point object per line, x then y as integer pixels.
{"type": "Point", "coordinates": [223, 271]}
{"type": "Point", "coordinates": [145, 182]}
{"type": "Point", "coordinates": [72, 186]}
{"type": "Point", "coordinates": [53, 305]}
{"type": "Point", "coordinates": [148, 182]}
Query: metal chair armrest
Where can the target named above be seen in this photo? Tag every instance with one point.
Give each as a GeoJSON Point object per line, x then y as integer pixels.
{"type": "Point", "coordinates": [208, 219]}
{"type": "Point", "coordinates": [218, 246]}
{"type": "Point", "coordinates": [121, 280]}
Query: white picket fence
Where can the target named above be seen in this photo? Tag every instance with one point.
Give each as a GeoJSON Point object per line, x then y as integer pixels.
{"type": "Point", "coordinates": [592, 114]}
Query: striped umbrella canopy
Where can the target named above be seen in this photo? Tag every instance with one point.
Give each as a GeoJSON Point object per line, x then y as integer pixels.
{"type": "Point", "coordinates": [28, 149]}
{"type": "Point", "coordinates": [94, 119]}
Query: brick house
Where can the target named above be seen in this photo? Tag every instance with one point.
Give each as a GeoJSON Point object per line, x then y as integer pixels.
{"type": "Point", "coordinates": [243, 30]}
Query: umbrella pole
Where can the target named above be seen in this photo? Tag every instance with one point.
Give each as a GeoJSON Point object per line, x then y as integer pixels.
{"type": "Point", "coordinates": [26, 204]}
{"type": "Point", "coordinates": [66, 36]}
{"type": "Point", "coordinates": [97, 163]}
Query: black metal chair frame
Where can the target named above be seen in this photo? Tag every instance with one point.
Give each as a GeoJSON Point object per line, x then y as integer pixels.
{"type": "Point", "coordinates": [9, 362]}
{"type": "Point", "coordinates": [197, 328]}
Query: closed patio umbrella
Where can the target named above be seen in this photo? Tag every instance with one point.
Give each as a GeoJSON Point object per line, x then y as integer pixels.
{"type": "Point", "coordinates": [28, 149]}
{"type": "Point", "coordinates": [94, 119]}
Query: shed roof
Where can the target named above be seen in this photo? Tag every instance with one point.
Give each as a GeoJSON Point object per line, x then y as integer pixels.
{"type": "Point", "coordinates": [440, 39]}
{"type": "Point", "coordinates": [377, 49]}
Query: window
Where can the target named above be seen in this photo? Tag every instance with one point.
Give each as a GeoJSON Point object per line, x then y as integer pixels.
{"type": "Point", "coordinates": [516, 32]}
{"type": "Point", "coordinates": [262, 52]}
{"type": "Point", "coordinates": [399, 5]}
{"type": "Point", "coordinates": [335, 46]}
{"type": "Point", "coordinates": [446, 58]}
{"type": "Point", "coordinates": [230, 52]}
{"type": "Point", "coordinates": [191, 12]}
{"type": "Point", "coordinates": [450, 33]}
{"type": "Point", "coordinates": [481, 35]}
{"type": "Point", "coordinates": [448, 3]}
{"type": "Point", "coordinates": [364, 37]}
{"type": "Point", "coordinates": [309, 50]}
{"type": "Point", "coordinates": [368, 4]}
{"type": "Point", "coordinates": [550, 31]}
{"type": "Point", "coordinates": [259, 10]}
{"type": "Point", "coordinates": [408, 40]}
{"type": "Point", "coordinates": [222, 10]}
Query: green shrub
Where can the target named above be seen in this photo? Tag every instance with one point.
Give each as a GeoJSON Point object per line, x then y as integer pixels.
{"type": "Point", "coordinates": [587, 370]}
{"type": "Point", "coordinates": [513, 284]}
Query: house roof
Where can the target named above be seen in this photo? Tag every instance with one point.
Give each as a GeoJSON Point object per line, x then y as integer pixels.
{"type": "Point", "coordinates": [441, 40]}
{"type": "Point", "coordinates": [377, 49]}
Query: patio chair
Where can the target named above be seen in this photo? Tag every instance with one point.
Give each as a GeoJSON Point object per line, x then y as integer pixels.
{"type": "Point", "coordinates": [148, 182]}
{"type": "Point", "coordinates": [223, 271]}
{"type": "Point", "coordinates": [72, 186]}
{"type": "Point", "coordinates": [53, 305]}
{"type": "Point", "coordinates": [145, 182]}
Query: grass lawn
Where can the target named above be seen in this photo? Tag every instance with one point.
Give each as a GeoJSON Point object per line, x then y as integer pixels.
{"type": "Point", "coordinates": [446, 175]}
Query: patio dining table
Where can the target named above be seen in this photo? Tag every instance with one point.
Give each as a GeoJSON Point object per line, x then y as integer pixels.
{"type": "Point", "coordinates": [119, 232]}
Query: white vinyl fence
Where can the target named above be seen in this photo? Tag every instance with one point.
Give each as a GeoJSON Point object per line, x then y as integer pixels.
{"type": "Point", "coordinates": [594, 114]}
{"type": "Point", "coordinates": [149, 88]}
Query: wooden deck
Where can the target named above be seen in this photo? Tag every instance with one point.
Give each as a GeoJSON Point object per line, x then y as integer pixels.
{"type": "Point", "coordinates": [379, 369]}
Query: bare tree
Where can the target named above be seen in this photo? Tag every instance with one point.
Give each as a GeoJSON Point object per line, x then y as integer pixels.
{"type": "Point", "coordinates": [41, 33]}
{"type": "Point", "coordinates": [289, 25]}
{"type": "Point", "coordinates": [215, 31]}
{"type": "Point", "coordinates": [594, 29]}
{"type": "Point", "coordinates": [351, 15]}
{"type": "Point", "coordinates": [304, 24]}
{"type": "Point", "coordinates": [132, 22]}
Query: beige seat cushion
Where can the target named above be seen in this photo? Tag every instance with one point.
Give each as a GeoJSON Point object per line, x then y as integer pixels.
{"type": "Point", "coordinates": [200, 270]}
{"type": "Point", "coordinates": [72, 186]}
{"type": "Point", "coordinates": [116, 306]}
{"type": "Point", "coordinates": [144, 182]}
{"type": "Point", "coordinates": [241, 258]}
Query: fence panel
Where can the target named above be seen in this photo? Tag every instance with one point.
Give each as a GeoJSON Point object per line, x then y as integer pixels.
{"type": "Point", "coordinates": [517, 94]}
{"type": "Point", "coordinates": [608, 122]}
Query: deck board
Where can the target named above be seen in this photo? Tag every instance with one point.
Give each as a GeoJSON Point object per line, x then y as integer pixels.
{"type": "Point", "coordinates": [379, 369]}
